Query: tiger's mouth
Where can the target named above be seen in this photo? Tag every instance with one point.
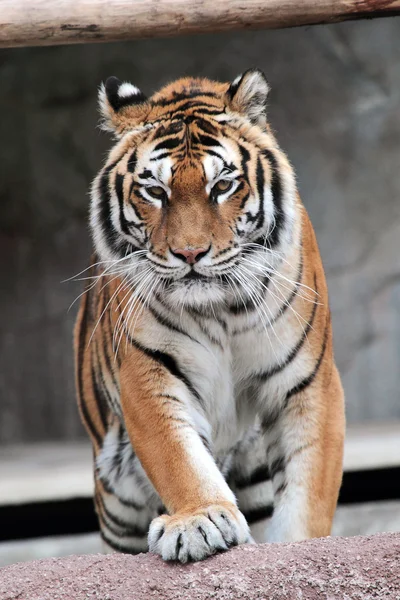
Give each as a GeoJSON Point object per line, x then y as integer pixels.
{"type": "Point", "coordinates": [194, 289]}
{"type": "Point", "coordinates": [195, 276]}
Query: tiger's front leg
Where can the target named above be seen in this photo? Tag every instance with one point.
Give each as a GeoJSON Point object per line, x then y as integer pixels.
{"type": "Point", "coordinates": [203, 515]}
{"type": "Point", "coordinates": [305, 453]}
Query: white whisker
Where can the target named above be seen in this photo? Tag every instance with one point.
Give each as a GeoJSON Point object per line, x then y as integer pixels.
{"type": "Point", "coordinates": [260, 305]}
{"type": "Point", "coordinates": [103, 262]}
{"type": "Point", "coordinates": [135, 289]}
{"type": "Point", "coordinates": [269, 271]}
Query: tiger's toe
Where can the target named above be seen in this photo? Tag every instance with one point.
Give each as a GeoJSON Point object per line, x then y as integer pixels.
{"type": "Point", "coordinates": [197, 535]}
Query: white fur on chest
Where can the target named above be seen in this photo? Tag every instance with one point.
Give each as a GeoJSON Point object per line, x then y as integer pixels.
{"type": "Point", "coordinates": [222, 373]}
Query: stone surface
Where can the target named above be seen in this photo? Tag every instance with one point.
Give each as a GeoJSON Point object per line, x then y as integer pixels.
{"type": "Point", "coordinates": [334, 104]}
{"type": "Point", "coordinates": [332, 568]}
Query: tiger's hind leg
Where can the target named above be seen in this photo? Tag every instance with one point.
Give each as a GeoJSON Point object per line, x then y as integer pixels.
{"type": "Point", "coordinates": [251, 483]}
{"type": "Point", "coordinates": [123, 528]}
{"type": "Point", "coordinates": [125, 501]}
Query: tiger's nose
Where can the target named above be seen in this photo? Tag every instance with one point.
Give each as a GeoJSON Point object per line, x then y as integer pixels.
{"type": "Point", "coordinates": [190, 255]}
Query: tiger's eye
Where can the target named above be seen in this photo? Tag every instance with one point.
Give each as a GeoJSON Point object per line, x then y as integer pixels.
{"type": "Point", "coordinates": [156, 191]}
{"type": "Point", "coordinates": [223, 185]}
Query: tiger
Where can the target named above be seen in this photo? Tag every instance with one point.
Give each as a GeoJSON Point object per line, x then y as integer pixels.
{"type": "Point", "coordinates": [204, 362]}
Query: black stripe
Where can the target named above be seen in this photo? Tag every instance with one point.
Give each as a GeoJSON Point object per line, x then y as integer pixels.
{"type": "Point", "coordinates": [197, 318]}
{"type": "Point", "coordinates": [187, 104]}
{"type": "Point", "coordinates": [131, 165]}
{"type": "Point", "coordinates": [159, 157]}
{"type": "Point", "coordinates": [264, 376]}
{"type": "Point", "coordinates": [233, 88]}
{"type": "Point", "coordinates": [207, 140]}
{"type": "Point", "coordinates": [118, 456]}
{"type": "Point", "coordinates": [307, 381]}
{"type": "Point", "coordinates": [259, 475]}
{"type": "Point", "coordinates": [270, 419]}
{"type": "Point", "coordinates": [201, 108]}
{"type": "Point", "coordinates": [281, 488]}
{"type": "Point", "coordinates": [244, 200]}
{"type": "Point", "coordinates": [250, 218]}
{"type": "Point", "coordinates": [168, 324]}
{"type": "Point", "coordinates": [225, 250]}
{"type": "Point", "coordinates": [248, 304]}
{"type": "Point", "coordinates": [245, 306]}
{"type": "Point", "coordinates": [212, 152]}
{"type": "Point", "coordinates": [277, 466]}
{"type": "Point", "coordinates": [202, 311]}
{"type": "Point", "coordinates": [182, 116]}
{"type": "Point", "coordinates": [276, 189]}
{"type": "Point", "coordinates": [170, 364]}
{"type": "Point", "coordinates": [169, 144]}
{"type": "Point", "coordinates": [206, 443]}
{"type": "Point", "coordinates": [111, 236]}
{"type": "Point", "coordinates": [170, 129]}
{"type": "Point", "coordinates": [133, 205]}
{"type": "Point", "coordinates": [169, 398]}
{"type": "Point", "coordinates": [125, 224]}
{"type": "Point", "coordinates": [245, 157]}
{"type": "Point", "coordinates": [99, 390]}
{"type": "Point", "coordinates": [126, 527]}
{"type": "Point", "coordinates": [160, 256]}
{"type": "Point", "coordinates": [81, 351]}
{"type": "Point", "coordinates": [178, 97]}
{"type": "Point", "coordinates": [145, 174]}
{"type": "Point", "coordinates": [224, 262]}
{"type": "Point", "coordinates": [120, 547]}
{"type": "Point", "coordinates": [206, 127]}
{"type": "Point", "coordinates": [110, 490]}
{"type": "Point", "coordinates": [105, 346]}
{"type": "Point", "coordinates": [259, 514]}
{"type": "Point", "coordinates": [207, 333]}
{"type": "Point", "coordinates": [260, 192]}
{"type": "Point", "coordinates": [119, 188]}
{"type": "Point", "coordinates": [292, 296]}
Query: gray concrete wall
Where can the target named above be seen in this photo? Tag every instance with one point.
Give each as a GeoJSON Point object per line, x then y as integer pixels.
{"type": "Point", "coordinates": [335, 107]}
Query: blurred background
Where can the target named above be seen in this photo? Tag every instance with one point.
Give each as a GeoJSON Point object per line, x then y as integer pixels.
{"type": "Point", "coordinates": [335, 106]}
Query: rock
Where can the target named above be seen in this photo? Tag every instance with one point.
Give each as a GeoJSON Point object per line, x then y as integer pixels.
{"type": "Point", "coordinates": [359, 568]}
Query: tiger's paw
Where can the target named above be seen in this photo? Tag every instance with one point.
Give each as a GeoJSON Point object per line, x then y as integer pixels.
{"type": "Point", "coordinates": [196, 535]}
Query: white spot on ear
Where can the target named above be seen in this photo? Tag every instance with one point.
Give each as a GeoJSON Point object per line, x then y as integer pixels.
{"type": "Point", "coordinates": [236, 81]}
{"type": "Point", "coordinates": [127, 89]}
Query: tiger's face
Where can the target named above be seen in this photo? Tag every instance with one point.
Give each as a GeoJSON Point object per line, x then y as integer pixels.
{"type": "Point", "coordinates": [195, 182]}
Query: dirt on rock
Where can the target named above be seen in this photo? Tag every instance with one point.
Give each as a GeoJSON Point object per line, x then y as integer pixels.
{"type": "Point", "coordinates": [359, 568]}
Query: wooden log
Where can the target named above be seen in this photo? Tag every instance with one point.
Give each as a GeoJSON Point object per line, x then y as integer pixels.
{"type": "Point", "coordinates": [45, 23]}
{"type": "Point", "coordinates": [334, 568]}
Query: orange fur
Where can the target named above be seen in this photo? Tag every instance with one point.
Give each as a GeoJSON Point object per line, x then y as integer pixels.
{"type": "Point", "coordinates": [153, 416]}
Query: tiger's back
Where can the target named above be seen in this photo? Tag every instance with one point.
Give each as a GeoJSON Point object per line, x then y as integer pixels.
{"type": "Point", "coordinates": [204, 362]}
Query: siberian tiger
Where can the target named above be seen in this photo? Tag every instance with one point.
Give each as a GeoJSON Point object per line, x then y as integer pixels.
{"type": "Point", "coordinates": [204, 363]}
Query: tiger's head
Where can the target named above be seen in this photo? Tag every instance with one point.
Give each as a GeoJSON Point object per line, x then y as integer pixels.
{"type": "Point", "coordinates": [195, 182]}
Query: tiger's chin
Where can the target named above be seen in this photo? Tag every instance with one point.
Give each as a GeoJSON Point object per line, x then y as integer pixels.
{"type": "Point", "coordinates": [195, 293]}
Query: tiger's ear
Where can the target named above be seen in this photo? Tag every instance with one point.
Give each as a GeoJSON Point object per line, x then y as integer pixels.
{"type": "Point", "coordinates": [247, 95]}
{"type": "Point", "coordinates": [122, 105]}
